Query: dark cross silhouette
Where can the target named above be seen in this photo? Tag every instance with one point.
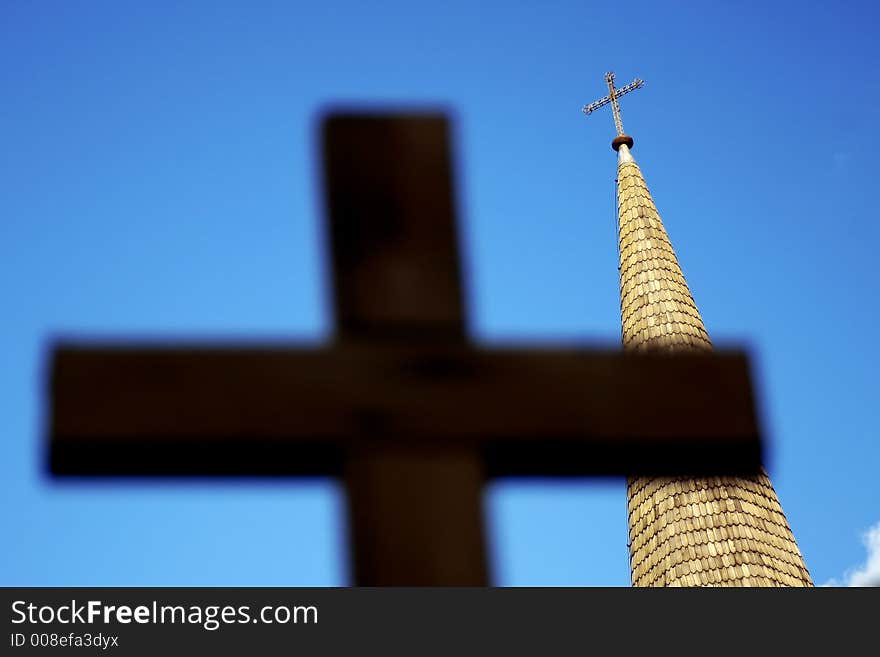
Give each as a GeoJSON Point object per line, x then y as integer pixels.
{"type": "Point", "coordinates": [412, 417]}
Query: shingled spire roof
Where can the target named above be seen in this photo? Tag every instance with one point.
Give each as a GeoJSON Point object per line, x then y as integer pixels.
{"type": "Point", "coordinates": [656, 306]}
{"type": "Point", "coordinates": [710, 531]}
{"type": "Point", "coordinates": [723, 531]}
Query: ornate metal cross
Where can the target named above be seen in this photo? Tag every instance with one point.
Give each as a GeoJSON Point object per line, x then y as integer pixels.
{"type": "Point", "coordinates": [613, 95]}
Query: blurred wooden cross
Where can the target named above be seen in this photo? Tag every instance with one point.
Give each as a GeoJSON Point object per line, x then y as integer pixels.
{"type": "Point", "coordinates": [411, 416]}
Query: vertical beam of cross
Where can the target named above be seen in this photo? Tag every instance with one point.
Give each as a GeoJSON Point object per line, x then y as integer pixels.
{"type": "Point", "coordinates": [615, 106]}
{"type": "Point", "coordinates": [613, 95]}
{"type": "Point", "coordinates": [415, 506]}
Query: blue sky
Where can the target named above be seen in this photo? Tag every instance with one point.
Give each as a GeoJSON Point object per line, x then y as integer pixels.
{"type": "Point", "coordinates": [158, 180]}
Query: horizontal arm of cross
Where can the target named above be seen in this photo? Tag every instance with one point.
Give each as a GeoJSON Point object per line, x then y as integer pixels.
{"type": "Point", "coordinates": [632, 86]}
{"type": "Point", "coordinates": [296, 411]}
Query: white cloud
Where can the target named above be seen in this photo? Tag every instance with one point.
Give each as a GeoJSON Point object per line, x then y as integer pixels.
{"type": "Point", "coordinates": [867, 574]}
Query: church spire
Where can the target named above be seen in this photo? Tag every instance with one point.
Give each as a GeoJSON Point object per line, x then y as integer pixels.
{"type": "Point", "coordinates": [710, 531]}
{"type": "Point", "coordinates": [656, 306]}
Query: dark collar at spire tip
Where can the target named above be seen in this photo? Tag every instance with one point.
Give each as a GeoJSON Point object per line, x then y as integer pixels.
{"type": "Point", "coordinates": [621, 139]}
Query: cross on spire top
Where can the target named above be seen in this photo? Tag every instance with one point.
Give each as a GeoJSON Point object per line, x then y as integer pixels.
{"type": "Point", "coordinates": [613, 95]}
